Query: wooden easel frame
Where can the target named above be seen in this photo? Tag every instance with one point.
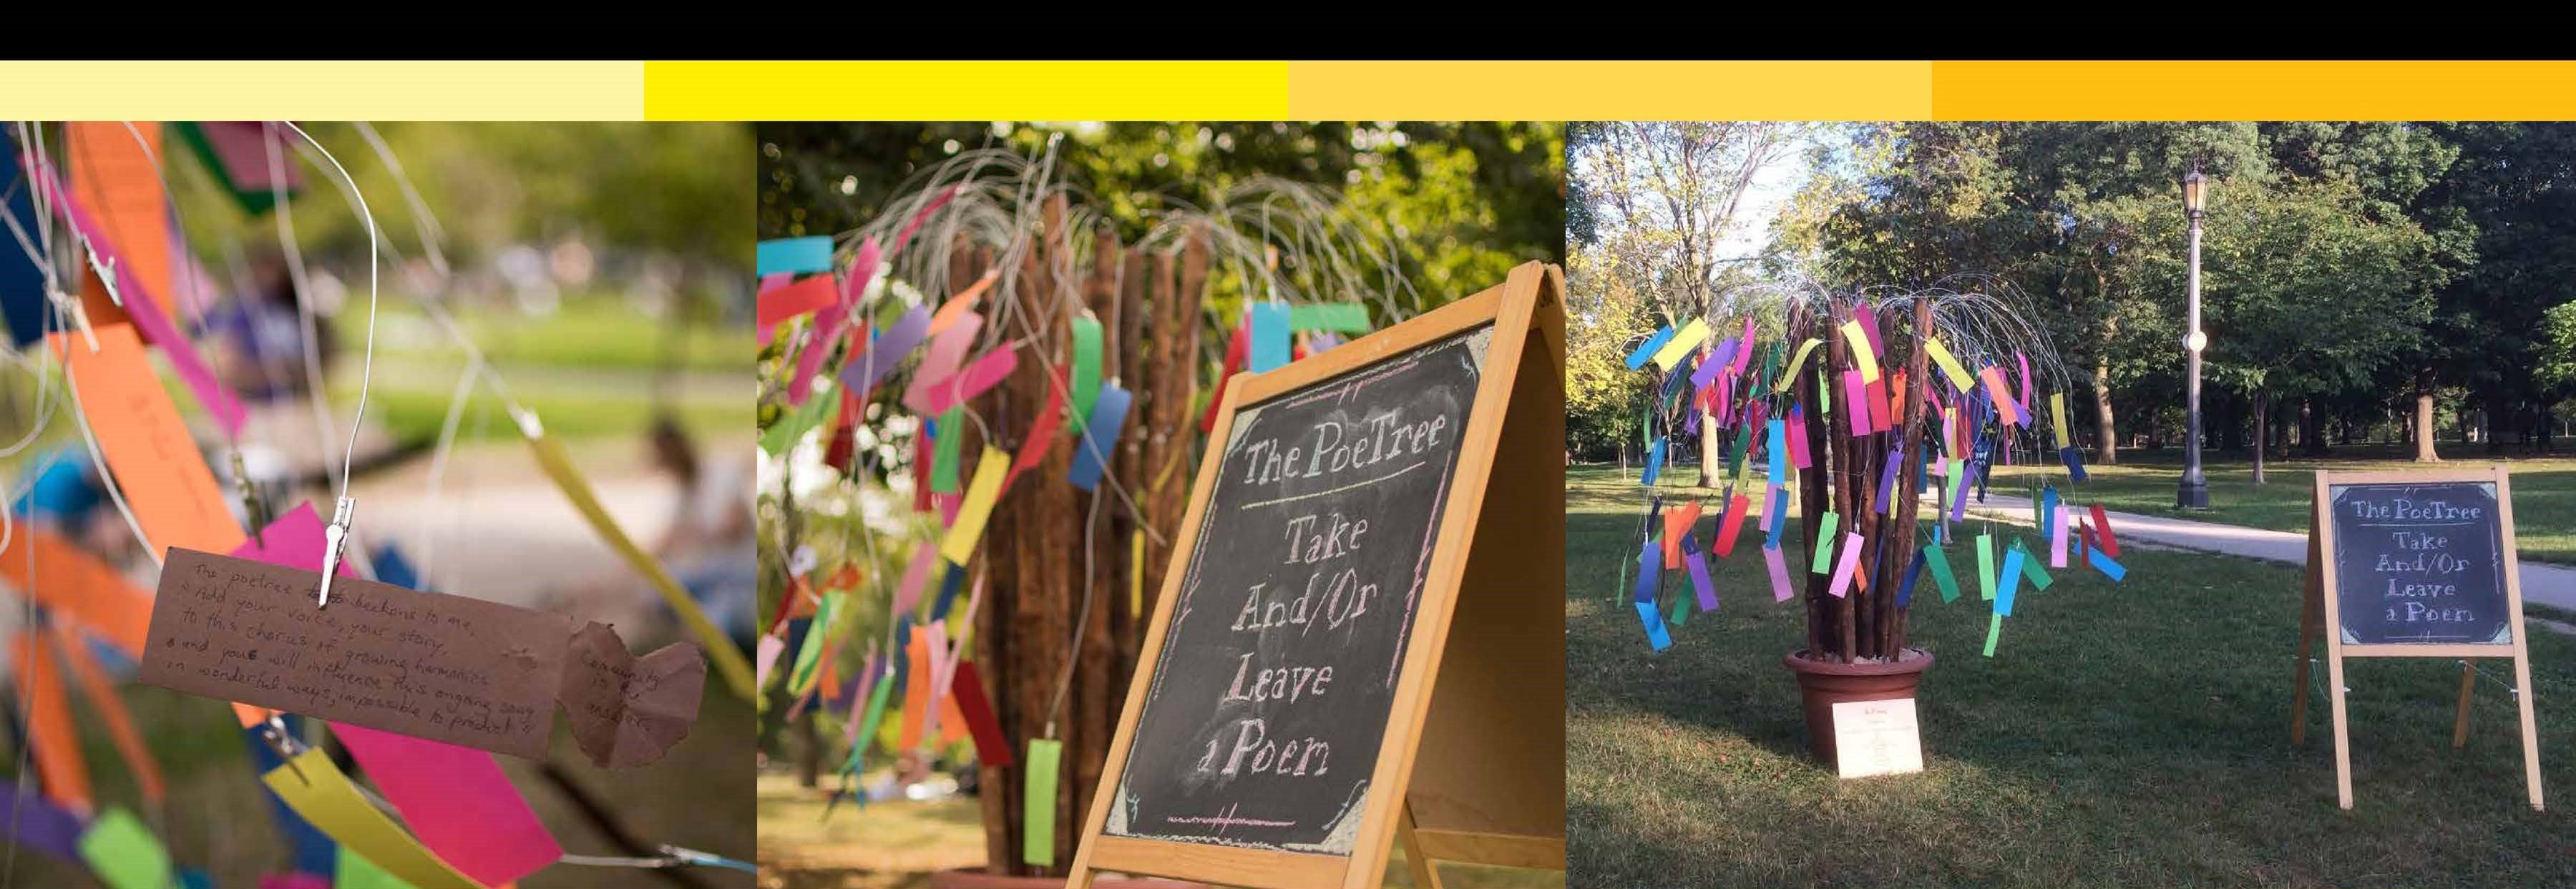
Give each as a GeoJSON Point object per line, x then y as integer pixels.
{"type": "Point", "coordinates": [1529, 307]}
{"type": "Point", "coordinates": [2322, 615]}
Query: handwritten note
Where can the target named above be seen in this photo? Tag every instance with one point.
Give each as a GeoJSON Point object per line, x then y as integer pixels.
{"type": "Point", "coordinates": [452, 669]}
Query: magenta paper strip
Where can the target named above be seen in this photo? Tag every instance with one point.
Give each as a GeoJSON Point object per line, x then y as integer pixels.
{"type": "Point", "coordinates": [1779, 573]}
{"type": "Point", "coordinates": [947, 350]}
{"type": "Point", "coordinates": [827, 330]}
{"type": "Point", "coordinates": [1855, 403]}
{"type": "Point", "coordinates": [142, 306]}
{"type": "Point", "coordinates": [1798, 437]}
{"type": "Point", "coordinates": [457, 801]}
{"type": "Point", "coordinates": [972, 381]}
{"type": "Point", "coordinates": [1743, 353]}
{"type": "Point", "coordinates": [1851, 559]}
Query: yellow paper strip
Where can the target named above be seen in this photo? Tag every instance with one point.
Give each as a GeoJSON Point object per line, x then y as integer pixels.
{"type": "Point", "coordinates": [1861, 352]}
{"type": "Point", "coordinates": [1689, 338]}
{"type": "Point", "coordinates": [1800, 360]}
{"type": "Point", "coordinates": [1959, 378]}
{"type": "Point", "coordinates": [2057, 416]}
{"type": "Point", "coordinates": [317, 790]}
{"type": "Point", "coordinates": [969, 528]}
{"type": "Point", "coordinates": [720, 650]}
{"type": "Point", "coordinates": [1136, 573]}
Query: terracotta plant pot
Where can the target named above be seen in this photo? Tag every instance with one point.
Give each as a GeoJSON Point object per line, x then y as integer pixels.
{"type": "Point", "coordinates": [976, 878]}
{"type": "Point", "coordinates": [1823, 684]}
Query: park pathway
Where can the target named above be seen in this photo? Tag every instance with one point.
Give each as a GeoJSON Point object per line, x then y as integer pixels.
{"type": "Point", "coordinates": [2542, 583]}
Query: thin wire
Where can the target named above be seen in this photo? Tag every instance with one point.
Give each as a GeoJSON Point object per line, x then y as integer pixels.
{"type": "Point", "coordinates": [1081, 621]}
{"type": "Point", "coordinates": [366, 373]}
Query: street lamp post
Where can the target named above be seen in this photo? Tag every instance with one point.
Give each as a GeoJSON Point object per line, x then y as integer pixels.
{"type": "Point", "coordinates": [2194, 491]}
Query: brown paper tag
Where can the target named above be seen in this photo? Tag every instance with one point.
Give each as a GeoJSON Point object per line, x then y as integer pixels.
{"type": "Point", "coordinates": [627, 711]}
{"type": "Point", "coordinates": [453, 669]}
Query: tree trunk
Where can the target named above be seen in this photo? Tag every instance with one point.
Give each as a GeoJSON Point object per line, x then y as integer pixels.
{"type": "Point", "coordinates": [2262, 433]}
{"type": "Point", "coordinates": [2423, 419]}
{"type": "Point", "coordinates": [2312, 429]}
{"type": "Point", "coordinates": [2104, 430]}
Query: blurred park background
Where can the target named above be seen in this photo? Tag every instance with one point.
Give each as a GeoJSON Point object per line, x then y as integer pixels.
{"type": "Point", "coordinates": [1459, 204]}
{"type": "Point", "coordinates": [602, 273]}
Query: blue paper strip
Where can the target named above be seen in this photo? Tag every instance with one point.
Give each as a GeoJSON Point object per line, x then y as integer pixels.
{"type": "Point", "coordinates": [2074, 463]}
{"type": "Point", "coordinates": [801, 256]}
{"type": "Point", "coordinates": [1637, 359]}
{"type": "Point", "coordinates": [948, 585]}
{"type": "Point", "coordinates": [2009, 579]}
{"type": "Point", "coordinates": [1779, 448]}
{"type": "Point", "coordinates": [1776, 516]}
{"type": "Point", "coordinates": [1905, 591]}
{"type": "Point", "coordinates": [1655, 634]}
{"type": "Point", "coordinates": [1269, 337]}
{"type": "Point", "coordinates": [1100, 436]}
{"type": "Point", "coordinates": [1654, 461]}
{"type": "Point", "coordinates": [2104, 564]}
{"type": "Point", "coordinates": [22, 282]}
{"type": "Point", "coordinates": [2047, 512]}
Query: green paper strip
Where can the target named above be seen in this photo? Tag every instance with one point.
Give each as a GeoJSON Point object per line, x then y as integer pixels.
{"type": "Point", "coordinates": [784, 433]}
{"type": "Point", "coordinates": [124, 853]}
{"type": "Point", "coordinates": [1994, 630]}
{"type": "Point", "coordinates": [1038, 830]}
{"type": "Point", "coordinates": [1958, 480]}
{"type": "Point", "coordinates": [1795, 363]}
{"type": "Point", "coordinates": [1939, 560]}
{"type": "Point", "coordinates": [356, 872]}
{"type": "Point", "coordinates": [811, 653]}
{"type": "Point", "coordinates": [1986, 567]}
{"type": "Point", "coordinates": [2030, 569]}
{"type": "Point", "coordinates": [1086, 369]}
{"type": "Point", "coordinates": [1338, 317]}
{"type": "Point", "coordinates": [1681, 610]}
{"type": "Point", "coordinates": [868, 723]}
{"type": "Point", "coordinates": [1824, 545]}
{"type": "Point", "coordinates": [946, 450]}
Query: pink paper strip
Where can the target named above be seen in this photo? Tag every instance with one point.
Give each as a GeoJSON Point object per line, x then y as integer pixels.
{"type": "Point", "coordinates": [862, 268]}
{"type": "Point", "coordinates": [1780, 591]}
{"type": "Point", "coordinates": [2057, 539]}
{"type": "Point", "coordinates": [1843, 570]}
{"type": "Point", "coordinates": [1855, 403]}
{"type": "Point", "coordinates": [918, 218]}
{"type": "Point", "coordinates": [765, 657]}
{"type": "Point", "coordinates": [457, 801]}
{"type": "Point", "coordinates": [971, 382]}
{"type": "Point", "coordinates": [947, 349]}
{"type": "Point", "coordinates": [1798, 437]}
{"type": "Point", "coordinates": [826, 332]}
{"type": "Point", "coordinates": [145, 309]}
{"type": "Point", "coordinates": [915, 573]}
{"type": "Point", "coordinates": [2024, 403]}
{"type": "Point", "coordinates": [1744, 354]}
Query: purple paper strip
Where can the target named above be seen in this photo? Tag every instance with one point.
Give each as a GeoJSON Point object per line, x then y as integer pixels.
{"type": "Point", "coordinates": [2024, 398]}
{"type": "Point", "coordinates": [36, 824]}
{"type": "Point", "coordinates": [1717, 361]}
{"type": "Point", "coordinates": [1887, 479]}
{"type": "Point", "coordinates": [879, 357]}
{"type": "Point", "coordinates": [1698, 563]}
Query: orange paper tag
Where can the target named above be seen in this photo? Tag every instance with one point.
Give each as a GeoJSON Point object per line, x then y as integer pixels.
{"type": "Point", "coordinates": [155, 462]}
{"type": "Point", "coordinates": [55, 742]}
{"type": "Point", "coordinates": [79, 588]}
{"type": "Point", "coordinates": [115, 178]}
{"type": "Point", "coordinates": [111, 710]}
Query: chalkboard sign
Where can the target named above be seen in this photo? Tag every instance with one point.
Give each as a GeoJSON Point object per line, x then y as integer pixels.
{"type": "Point", "coordinates": [2413, 564]}
{"type": "Point", "coordinates": [2419, 564]}
{"type": "Point", "coordinates": [1367, 570]}
{"type": "Point", "coordinates": [1262, 724]}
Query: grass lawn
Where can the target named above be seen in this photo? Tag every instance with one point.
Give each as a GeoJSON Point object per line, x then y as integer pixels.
{"type": "Point", "coordinates": [2123, 735]}
{"type": "Point", "coordinates": [2544, 489]}
{"type": "Point", "coordinates": [897, 844]}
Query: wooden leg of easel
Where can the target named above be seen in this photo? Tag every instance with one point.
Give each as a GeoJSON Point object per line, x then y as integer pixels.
{"type": "Point", "coordinates": [2460, 723]}
{"type": "Point", "coordinates": [2530, 733]}
{"type": "Point", "coordinates": [2299, 697]}
{"type": "Point", "coordinates": [2343, 736]}
{"type": "Point", "coordinates": [1426, 875]}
